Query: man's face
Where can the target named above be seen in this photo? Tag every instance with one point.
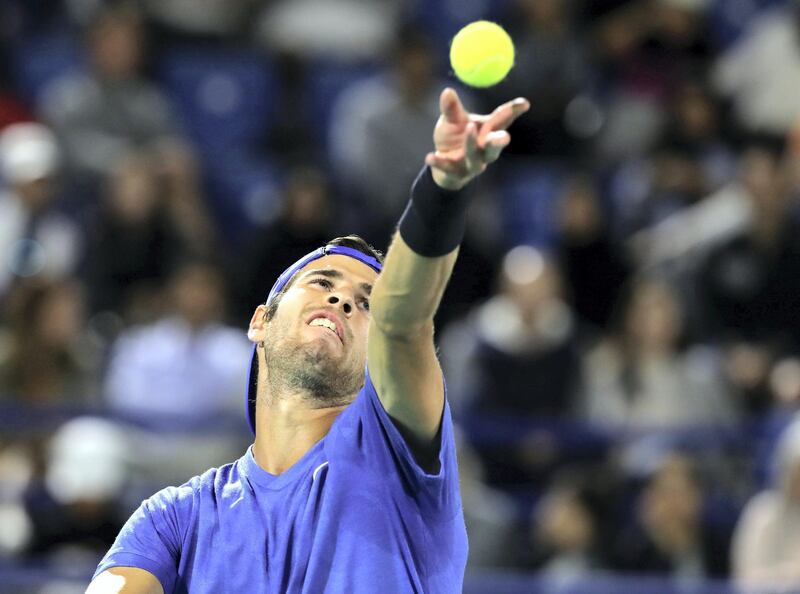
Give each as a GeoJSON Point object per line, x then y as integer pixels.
{"type": "Point", "coordinates": [316, 342]}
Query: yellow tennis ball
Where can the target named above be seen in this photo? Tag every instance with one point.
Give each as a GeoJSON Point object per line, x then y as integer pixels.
{"type": "Point", "coordinates": [481, 54]}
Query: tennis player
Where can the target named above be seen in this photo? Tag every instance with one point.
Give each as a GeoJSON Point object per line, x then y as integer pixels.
{"type": "Point", "coordinates": [351, 485]}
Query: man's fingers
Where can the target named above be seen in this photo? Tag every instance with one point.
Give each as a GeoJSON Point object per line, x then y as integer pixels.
{"type": "Point", "coordinates": [473, 160]}
{"type": "Point", "coordinates": [451, 107]}
{"type": "Point", "coordinates": [502, 117]}
{"type": "Point", "coordinates": [500, 137]}
{"type": "Point", "coordinates": [478, 118]}
{"type": "Point", "coordinates": [472, 154]}
{"type": "Point", "coordinates": [495, 143]}
{"type": "Point", "coordinates": [484, 136]}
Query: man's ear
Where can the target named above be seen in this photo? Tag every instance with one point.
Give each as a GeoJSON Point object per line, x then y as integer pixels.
{"type": "Point", "coordinates": [257, 331]}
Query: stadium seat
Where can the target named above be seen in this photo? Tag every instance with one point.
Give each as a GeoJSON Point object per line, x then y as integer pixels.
{"type": "Point", "coordinates": [244, 190]}
{"type": "Point", "coordinates": [225, 98]}
{"type": "Point", "coordinates": [529, 193]}
{"type": "Point", "coordinates": [325, 80]}
{"type": "Point", "coordinates": [38, 59]}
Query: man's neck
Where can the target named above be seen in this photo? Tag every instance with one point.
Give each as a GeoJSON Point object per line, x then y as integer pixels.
{"type": "Point", "coordinates": [286, 429]}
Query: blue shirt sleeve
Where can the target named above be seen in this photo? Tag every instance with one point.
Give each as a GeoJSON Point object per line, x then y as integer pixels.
{"type": "Point", "coordinates": [385, 450]}
{"type": "Point", "coordinates": [151, 538]}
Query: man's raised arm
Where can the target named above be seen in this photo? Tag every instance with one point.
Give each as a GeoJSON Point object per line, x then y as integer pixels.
{"type": "Point", "coordinates": [400, 353]}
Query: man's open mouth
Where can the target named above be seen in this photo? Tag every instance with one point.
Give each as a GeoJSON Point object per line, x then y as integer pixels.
{"type": "Point", "coordinates": [328, 321]}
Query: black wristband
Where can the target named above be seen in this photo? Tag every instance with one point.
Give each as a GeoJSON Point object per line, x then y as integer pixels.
{"type": "Point", "coordinates": [434, 221]}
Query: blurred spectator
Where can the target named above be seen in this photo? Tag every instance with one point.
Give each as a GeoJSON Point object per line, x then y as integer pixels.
{"type": "Point", "coordinates": [488, 513]}
{"type": "Point", "coordinates": [522, 358]}
{"type": "Point", "coordinates": [761, 72]}
{"type": "Point", "coordinates": [594, 267]}
{"type": "Point", "coordinates": [180, 380]}
{"type": "Point", "coordinates": [513, 357]}
{"type": "Point", "coordinates": [677, 181]}
{"type": "Point", "coordinates": [668, 535]}
{"type": "Point", "coordinates": [751, 282]}
{"type": "Point", "coordinates": [303, 225]}
{"type": "Point", "coordinates": [689, 160]}
{"type": "Point", "coordinates": [112, 108]}
{"type": "Point", "coordinates": [644, 377]}
{"type": "Point", "coordinates": [188, 354]}
{"type": "Point", "coordinates": [381, 128]}
{"type": "Point", "coordinates": [646, 49]}
{"type": "Point", "coordinates": [766, 548]}
{"type": "Point", "coordinates": [35, 239]}
{"type": "Point", "coordinates": [338, 29]}
{"type": "Point", "coordinates": [695, 128]}
{"type": "Point", "coordinates": [565, 533]}
{"type": "Point", "coordinates": [683, 238]}
{"type": "Point", "coordinates": [48, 356]}
{"type": "Point", "coordinates": [181, 185]}
{"type": "Point", "coordinates": [16, 473]}
{"type": "Point", "coordinates": [785, 383]}
{"type": "Point", "coordinates": [145, 225]}
{"type": "Point", "coordinates": [473, 274]}
{"type": "Point", "coordinates": [80, 505]}
{"type": "Point", "coordinates": [766, 381]}
{"type": "Point", "coordinates": [747, 369]}
{"type": "Point", "coordinates": [203, 18]}
{"type": "Point", "coordinates": [550, 64]}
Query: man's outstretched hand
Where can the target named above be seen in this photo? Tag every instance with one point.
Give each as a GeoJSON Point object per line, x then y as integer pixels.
{"type": "Point", "coordinates": [466, 143]}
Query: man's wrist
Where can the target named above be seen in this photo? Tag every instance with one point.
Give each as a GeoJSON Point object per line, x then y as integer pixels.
{"type": "Point", "coordinates": [447, 182]}
{"type": "Point", "coordinates": [434, 221]}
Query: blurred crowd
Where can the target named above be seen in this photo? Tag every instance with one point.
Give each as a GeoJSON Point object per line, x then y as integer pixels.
{"type": "Point", "coordinates": [621, 337]}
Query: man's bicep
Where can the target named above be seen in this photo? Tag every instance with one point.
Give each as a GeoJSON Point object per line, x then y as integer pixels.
{"type": "Point", "coordinates": [408, 380]}
{"type": "Point", "coordinates": [125, 580]}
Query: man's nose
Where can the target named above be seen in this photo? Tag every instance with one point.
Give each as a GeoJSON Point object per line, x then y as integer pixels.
{"type": "Point", "coordinates": [346, 302]}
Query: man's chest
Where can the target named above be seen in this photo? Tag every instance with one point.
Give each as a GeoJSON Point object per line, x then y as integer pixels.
{"type": "Point", "coordinates": [293, 540]}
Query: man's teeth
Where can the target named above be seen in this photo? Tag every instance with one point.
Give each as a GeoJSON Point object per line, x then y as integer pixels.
{"type": "Point", "coordinates": [324, 322]}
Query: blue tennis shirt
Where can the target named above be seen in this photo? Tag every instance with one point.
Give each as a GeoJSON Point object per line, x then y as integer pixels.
{"type": "Point", "coordinates": [355, 514]}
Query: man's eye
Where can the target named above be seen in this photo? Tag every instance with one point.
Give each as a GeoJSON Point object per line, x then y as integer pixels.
{"type": "Point", "coordinates": [323, 282]}
{"type": "Point", "coordinates": [365, 304]}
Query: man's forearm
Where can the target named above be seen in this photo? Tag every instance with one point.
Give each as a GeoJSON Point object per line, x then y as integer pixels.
{"type": "Point", "coordinates": [409, 289]}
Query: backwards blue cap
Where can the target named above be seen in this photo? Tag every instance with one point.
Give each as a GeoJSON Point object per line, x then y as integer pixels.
{"type": "Point", "coordinates": [283, 280]}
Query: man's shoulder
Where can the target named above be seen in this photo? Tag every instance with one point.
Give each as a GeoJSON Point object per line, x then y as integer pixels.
{"type": "Point", "coordinates": [199, 490]}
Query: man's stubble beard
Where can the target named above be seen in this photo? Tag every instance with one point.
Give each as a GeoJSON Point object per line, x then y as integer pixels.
{"type": "Point", "coordinates": [308, 368]}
